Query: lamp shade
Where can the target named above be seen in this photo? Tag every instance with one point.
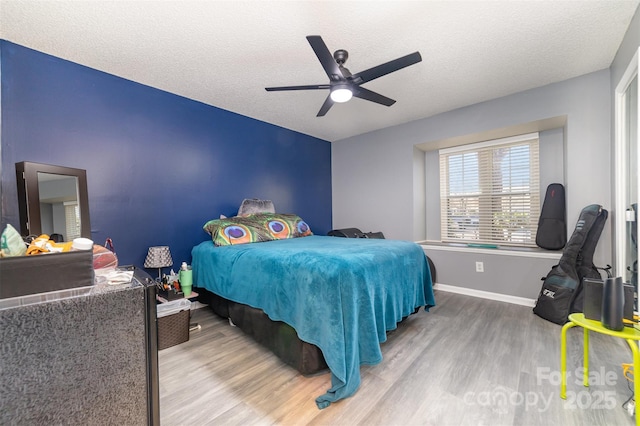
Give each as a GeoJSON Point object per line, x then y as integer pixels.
{"type": "Point", "coordinates": [158, 257]}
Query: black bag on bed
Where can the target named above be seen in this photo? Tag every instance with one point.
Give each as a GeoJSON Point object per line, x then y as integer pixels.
{"type": "Point", "coordinates": [354, 233]}
{"type": "Point", "coordinates": [345, 233]}
{"type": "Point", "coordinates": [561, 292]}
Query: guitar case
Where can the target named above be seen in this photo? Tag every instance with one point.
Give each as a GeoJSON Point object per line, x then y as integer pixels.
{"type": "Point", "coordinates": [552, 224]}
{"type": "Point", "coordinates": [561, 292]}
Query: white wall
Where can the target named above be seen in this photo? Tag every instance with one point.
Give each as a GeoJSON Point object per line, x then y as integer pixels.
{"type": "Point", "coordinates": [373, 174]}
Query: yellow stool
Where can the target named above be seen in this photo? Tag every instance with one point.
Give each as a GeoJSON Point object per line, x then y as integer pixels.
{"type": "Point", "coordinates": [630, 334]}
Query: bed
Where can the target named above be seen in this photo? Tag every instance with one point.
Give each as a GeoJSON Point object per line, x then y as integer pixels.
{"type": "Point", "coordinates": [340, 295]}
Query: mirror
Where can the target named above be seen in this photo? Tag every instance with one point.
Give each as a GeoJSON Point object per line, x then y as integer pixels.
{"type": "Point", "coordinates": [53, 200]}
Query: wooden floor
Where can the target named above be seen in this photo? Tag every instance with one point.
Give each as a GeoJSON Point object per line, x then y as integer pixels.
{"type": "Point", "coordinates": [468, 361]}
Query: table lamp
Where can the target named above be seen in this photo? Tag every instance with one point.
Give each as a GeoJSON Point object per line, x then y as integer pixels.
{"type": "Point", "coordinates": [158, 257]}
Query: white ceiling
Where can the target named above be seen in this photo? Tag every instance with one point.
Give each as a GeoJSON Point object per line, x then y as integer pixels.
{"type": "Point", "coordinates": [224, 53]}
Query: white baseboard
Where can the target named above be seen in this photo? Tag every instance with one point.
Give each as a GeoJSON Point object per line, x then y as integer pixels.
{"type": "Point", "coordinates": [516, 300]}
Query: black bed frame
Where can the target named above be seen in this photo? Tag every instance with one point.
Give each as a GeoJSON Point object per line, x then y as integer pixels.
{"type": "Point", "coordinates": [279, 337]}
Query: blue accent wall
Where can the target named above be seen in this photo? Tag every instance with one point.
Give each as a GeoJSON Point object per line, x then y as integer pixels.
{"type": "Point", "coordinates": [158, 165]}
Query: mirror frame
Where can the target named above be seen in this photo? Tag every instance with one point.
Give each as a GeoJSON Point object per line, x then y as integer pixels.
{"type": "Point", "coordinates": [29, 196]}
{"type": "Point", "coordinates": [620, 164]}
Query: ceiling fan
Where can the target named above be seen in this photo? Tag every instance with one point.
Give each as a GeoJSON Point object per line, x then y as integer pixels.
{"type": "Point", "coordinates": [342, 84]}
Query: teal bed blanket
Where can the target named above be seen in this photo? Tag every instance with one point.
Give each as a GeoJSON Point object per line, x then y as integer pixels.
{"type": "Point", "coordinates": [340, 294]}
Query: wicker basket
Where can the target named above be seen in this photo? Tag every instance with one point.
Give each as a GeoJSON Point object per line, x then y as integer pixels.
{"type": "Point", "coordinates": [173, 329]}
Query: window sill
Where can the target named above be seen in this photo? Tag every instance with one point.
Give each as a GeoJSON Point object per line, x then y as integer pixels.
{"type": "Point", "coordinates": [533, 252]}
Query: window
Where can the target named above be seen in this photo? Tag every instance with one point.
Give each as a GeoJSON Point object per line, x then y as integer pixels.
{"type": "Point", "coordinates": [490, 192]}
{"type": "Point", "coordinates": [72, 220]}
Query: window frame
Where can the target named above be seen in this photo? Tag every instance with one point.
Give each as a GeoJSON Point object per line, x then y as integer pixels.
{"type": "Point", "coordinates": [484, 230]}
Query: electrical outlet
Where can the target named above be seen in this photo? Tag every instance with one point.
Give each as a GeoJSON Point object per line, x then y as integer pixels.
{"type": "Point", "coordinates": [479, 267]}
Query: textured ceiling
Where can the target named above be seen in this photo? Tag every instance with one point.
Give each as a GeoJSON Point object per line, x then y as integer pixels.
{"type": "Point", "coordinates": [224, 53]}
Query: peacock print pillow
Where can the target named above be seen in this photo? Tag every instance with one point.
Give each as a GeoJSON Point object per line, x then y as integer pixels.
{"type": "Point", "coordinates": [255, 228]}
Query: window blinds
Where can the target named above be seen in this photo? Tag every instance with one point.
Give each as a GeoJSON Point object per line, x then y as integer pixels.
{"type": "Point", "coordinates": [490, 191]}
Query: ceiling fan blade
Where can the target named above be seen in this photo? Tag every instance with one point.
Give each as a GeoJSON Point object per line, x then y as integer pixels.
{"type": "Point", "coordinates": [308, 87]}
{"type": "Point", "coordinates": [328, 103]}
{"type": "Point", "coordinates": [386, 68]}
{"type": "Point", "coordinates": [326, 58]}
{"type": "Point", "coordinates": [362, 93]}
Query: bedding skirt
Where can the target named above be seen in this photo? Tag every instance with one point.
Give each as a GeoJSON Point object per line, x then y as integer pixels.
{"type": "Point", "coordinates": [277, 336]}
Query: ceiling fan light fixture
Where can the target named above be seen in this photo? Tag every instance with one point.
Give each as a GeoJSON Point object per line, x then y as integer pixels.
{"type": "Point", "coordinates": [342, 84]}
{"type": "Point", "coordinates": [341, 94]}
